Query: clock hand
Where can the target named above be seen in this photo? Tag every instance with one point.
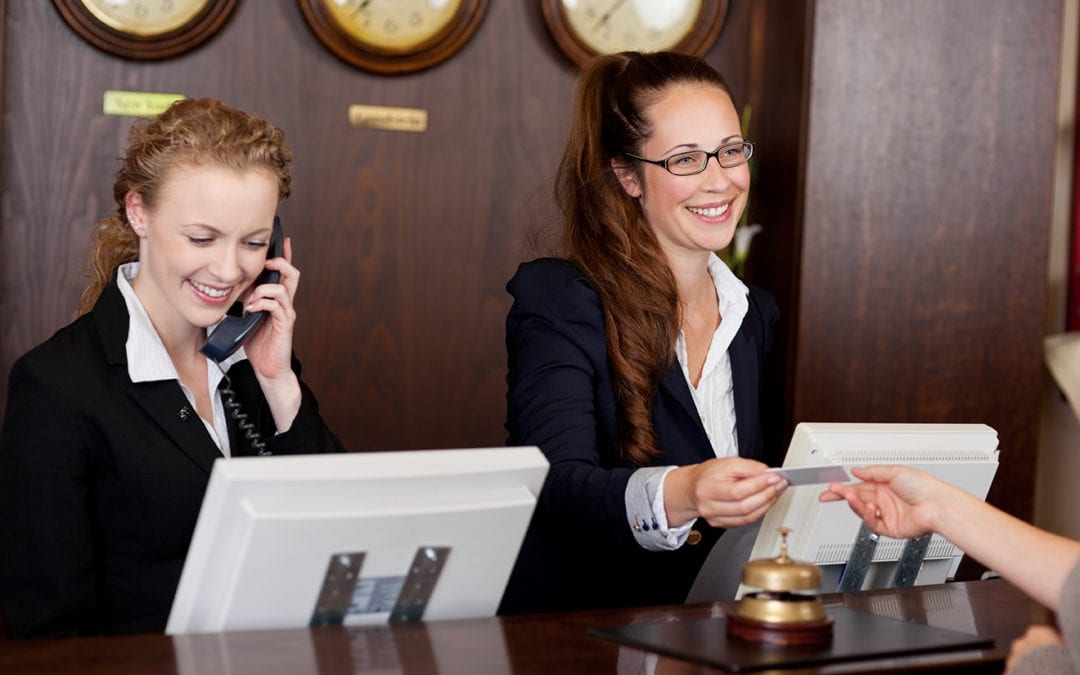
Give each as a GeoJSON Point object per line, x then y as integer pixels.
{"type": "Point", "coordinates": [607, 14]}
{"type": "Point", "coordinates": [361, 7]}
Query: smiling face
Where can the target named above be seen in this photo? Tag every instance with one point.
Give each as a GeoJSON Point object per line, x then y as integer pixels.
{"type": "Point", "coordinates": [201, 245]}
{"type": "Point", "coordinates": [690, 215]}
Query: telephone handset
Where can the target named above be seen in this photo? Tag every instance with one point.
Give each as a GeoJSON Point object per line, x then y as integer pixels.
{"type": "Point", "coordinates": [233, 330]}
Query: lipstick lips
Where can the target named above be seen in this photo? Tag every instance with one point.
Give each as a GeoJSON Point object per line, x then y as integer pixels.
{"type": "Point", "coordinates": [710, 211]}
{"type": "Point", "coordinates": [209, 294]}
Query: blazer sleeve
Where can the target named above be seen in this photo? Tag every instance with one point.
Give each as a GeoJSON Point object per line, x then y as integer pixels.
{"type": "Point", "coordinates": [308, 432]}
{"type": "Point", "coordinates": [557, 360]}
{"type": "Point", "coordinates": [47, 584]}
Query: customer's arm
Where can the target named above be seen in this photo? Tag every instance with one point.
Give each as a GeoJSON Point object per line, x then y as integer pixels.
{"type": "Point", "coordinates": [901, 502]}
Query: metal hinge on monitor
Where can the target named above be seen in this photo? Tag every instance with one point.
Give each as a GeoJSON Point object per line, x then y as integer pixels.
{"type": "Point", "coordinates": [858, 565]}
{"type": "Point", "coordinates": [424, 572]}
{"type": "Point", "coordinates": [337, 589]}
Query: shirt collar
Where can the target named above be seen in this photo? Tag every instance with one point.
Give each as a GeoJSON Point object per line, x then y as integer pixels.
{"type": "Point", "coordinates": [732, 302]}
{"type": "Point", "coordinates": [147, 358]}
{"type": "Point", "coordinates": [731, 298]}
{"type": "Point", "coordinates": [731, 292]}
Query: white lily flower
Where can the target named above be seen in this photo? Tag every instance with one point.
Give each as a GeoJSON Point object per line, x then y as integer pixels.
{"type": "Point", "coordinates": [743, 236]}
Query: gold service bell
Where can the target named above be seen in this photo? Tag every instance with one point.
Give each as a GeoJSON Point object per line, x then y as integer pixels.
{"type": "Point", "coordinates": [777, 614]}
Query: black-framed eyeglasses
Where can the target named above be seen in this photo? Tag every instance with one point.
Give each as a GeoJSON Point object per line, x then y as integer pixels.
{"type": "Point", "coordinates": [729, 156]}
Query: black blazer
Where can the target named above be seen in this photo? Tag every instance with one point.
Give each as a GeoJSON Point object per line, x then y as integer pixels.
{"type": "Point", "coordinates": [579, 552]}
{"type": "Point", "coordinates": [101, 480]}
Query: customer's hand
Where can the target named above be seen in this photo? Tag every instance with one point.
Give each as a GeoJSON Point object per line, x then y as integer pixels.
{"type": "Point", "coordinates": [894, 501]}
{"type": "Point", "coordinates": [1034, 638]}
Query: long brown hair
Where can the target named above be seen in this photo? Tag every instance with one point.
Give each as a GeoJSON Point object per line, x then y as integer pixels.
{"type": "Point", "coordinates": [605, 232]}
{"type": "Point", "coordinates": [190, 132]}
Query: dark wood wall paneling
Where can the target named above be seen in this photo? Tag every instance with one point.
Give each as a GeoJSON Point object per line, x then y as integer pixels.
{"type": "Point", "coordinates": [780, 40]}
{"type": "Point", "coordinates": [904, 166]}
{"type": "Point", "coordinates": [926, 209]}
{"type": "Point", "coordinates": [405, 240]}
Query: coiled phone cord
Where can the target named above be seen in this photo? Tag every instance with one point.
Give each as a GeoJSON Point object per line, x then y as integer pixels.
{"type": "Point", "coordinates": [228, 399]}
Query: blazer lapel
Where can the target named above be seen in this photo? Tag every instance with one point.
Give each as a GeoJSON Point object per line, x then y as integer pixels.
{"type": "Point", "coordinates": [164, 401]}
{"type": "Point", "coordinates": [165, 404]}
{"type": "Point", "coordinates": [674, 382]}
{"type": "Point", "coordinates": [744, 369]}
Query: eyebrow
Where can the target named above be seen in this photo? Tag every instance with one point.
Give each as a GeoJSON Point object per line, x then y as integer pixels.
{"type": "Point", "coordinates": [264, 231]}
{"type": "Point", "coordinates": [197, 225]}
{"type": "Point", "coordinates": [695, 146]}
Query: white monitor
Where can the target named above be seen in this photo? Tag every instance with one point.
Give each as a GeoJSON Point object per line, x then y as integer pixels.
{"type": "Point", "coordinates": [353, 538]}
{"type": "Point", "coordinates": [965, 455]}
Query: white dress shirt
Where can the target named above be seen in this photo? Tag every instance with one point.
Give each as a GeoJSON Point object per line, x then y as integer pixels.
{"type": "Point", "coordinates": [714, 398]}
{"type": "Point", "coordinates": [148, 361]}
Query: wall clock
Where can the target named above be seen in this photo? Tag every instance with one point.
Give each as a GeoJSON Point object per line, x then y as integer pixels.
{"type": "Point", "coordinates": [394, 36]}
{"type": "Point", "coordinates": [583, 29]}
{"type": "Point", "coordinates": [145, 29]}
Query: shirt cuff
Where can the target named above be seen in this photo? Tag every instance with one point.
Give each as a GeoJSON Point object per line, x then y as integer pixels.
{"type": "Point", "coordinates": [645, 512]}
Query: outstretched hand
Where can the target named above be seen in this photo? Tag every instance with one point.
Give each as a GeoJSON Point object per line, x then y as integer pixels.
{"type": "Point", "coordinates": [902, 502]}
{"type": "Point", "coordinates": [892, 500]}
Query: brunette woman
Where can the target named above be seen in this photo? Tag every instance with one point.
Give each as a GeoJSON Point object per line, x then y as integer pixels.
{"type": "Point", "coordinates": [635, 358]}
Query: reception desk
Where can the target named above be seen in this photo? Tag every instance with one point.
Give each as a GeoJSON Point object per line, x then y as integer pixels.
{"type": "Point", "coordinates": [547, 644]}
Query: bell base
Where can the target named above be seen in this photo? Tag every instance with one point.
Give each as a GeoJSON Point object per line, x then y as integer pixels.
{"type": "Point", "coordinates": [817, 632]}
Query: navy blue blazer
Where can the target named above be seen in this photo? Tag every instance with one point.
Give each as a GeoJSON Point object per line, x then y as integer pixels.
{"type": "Point", "coordinates": [102, 479]}
{"type": "Point", "coordinates": [579, 552]}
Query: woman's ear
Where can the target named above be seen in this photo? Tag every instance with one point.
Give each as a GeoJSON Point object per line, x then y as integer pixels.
{"type": "Point", "coordinates": [627, 176]}
{"type": "Point", "coordinates": [136, 212]}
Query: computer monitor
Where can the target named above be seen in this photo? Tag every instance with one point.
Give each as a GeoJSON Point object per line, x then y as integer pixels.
{"type": "Point", "coordinates": [353, 538]}
{"type": "Point", "coordinates": [965, 455]}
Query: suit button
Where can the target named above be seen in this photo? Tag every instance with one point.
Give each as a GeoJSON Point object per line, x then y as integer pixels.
{"type": "Point", "coordinates": [694, 538]}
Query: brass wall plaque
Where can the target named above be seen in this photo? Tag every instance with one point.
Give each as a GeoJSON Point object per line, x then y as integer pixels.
{"type": "Point", "coordinates": [137, 103]}
{"type": "Point", "coordinates": [391, 119]}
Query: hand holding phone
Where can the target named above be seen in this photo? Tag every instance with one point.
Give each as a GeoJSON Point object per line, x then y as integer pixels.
{"type": "Point", "coordinates": [234, 330]}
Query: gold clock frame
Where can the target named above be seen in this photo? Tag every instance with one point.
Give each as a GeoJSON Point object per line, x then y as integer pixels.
{"type": "Point", "coordinates": [146, 47]}
{"type": "Point", "coordinates": [431, 52]}
{"type": "Point", "coordinates": [701, 37]}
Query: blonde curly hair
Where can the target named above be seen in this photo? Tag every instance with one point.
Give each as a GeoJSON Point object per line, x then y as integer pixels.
{"type": "Point", "coordinates": [190, 132]}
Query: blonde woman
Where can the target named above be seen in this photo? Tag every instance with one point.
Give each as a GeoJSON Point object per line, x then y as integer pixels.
{"type": "Point", "coordinates": [112, 425]}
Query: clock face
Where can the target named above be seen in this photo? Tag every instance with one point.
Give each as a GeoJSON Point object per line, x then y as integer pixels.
{"type": "Point", "coordinates": [584, 29]}
{"type": "Point", "coordinates": [394, 36]}
{"type": "Point", "coordinates": [609, 26]}
{"type": "Point", "coordinates": [144, 17]}
{"type": "Point", "coordinates": [393, 25]}
{"type": "Point", "coordinates": [145, 29]}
